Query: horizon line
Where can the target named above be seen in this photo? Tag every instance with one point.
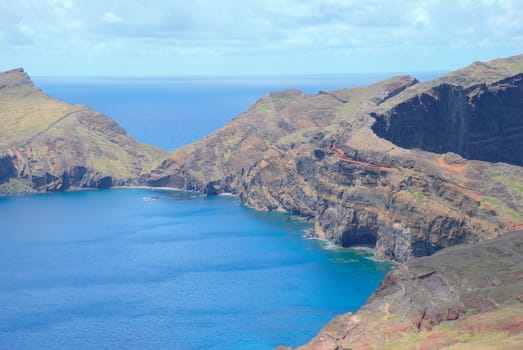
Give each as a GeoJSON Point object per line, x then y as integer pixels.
{"type": "Point", "coordinates": [217, 76]}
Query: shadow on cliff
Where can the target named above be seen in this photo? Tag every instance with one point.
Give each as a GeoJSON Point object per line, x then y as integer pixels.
{"type": "Point", "coordinates": [480, 122]}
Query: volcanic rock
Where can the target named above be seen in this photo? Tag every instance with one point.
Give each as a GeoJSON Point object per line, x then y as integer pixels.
{"type": "Point", "coordinates": [407, 168]}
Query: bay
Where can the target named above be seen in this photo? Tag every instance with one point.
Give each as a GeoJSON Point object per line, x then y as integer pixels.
{"type": "Point", "coordinates": [110, 270]}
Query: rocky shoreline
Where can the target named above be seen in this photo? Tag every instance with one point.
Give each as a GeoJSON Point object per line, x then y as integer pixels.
{"type": "Point", "coordinates": [47, 145]}
{"type": "Point", "coordinates": [342, 159]}
{"type": "Point", "coordinates": [468, 295]}
{"type": "Point", "coordinates": [410, 169]}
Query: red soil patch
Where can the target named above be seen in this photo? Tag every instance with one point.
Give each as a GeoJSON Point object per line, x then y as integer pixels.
{"type": "Point", "coordinates": [469, 193]}
{"type": "Point", "coordinates": [454, 168]}
{"type": "Point", "coordinates": [396, 332]}
{"type": "Point", "coordinates": [513, 326]}
{"type": "Point", "coordinates": [253, 143]}
{"type": "Point", "coordinates": [437, 340]}
{"type": "Point", "coordinates": [341, 156]}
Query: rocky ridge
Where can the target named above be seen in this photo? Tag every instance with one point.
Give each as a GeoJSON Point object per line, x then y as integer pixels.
{"type": "Point", "coordinates": [464, 297]}
{"type": "Point", "coordinates": [407, 168]}
{"type": "Point", "coordinates": [49, 145]}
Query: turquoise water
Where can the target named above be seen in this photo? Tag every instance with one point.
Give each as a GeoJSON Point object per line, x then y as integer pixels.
{"type": "Point", "coordinates": [109, 270]}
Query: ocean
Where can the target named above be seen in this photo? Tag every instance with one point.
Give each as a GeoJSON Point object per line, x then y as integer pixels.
{"type": "Point", "coordinates": [108, 269]}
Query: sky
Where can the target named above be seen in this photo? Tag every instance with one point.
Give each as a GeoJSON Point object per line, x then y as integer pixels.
{"type": "Point", "coordinates": [250, 37]}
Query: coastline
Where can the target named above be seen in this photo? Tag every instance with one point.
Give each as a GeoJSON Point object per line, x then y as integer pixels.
{"type": "Point", "coordinates": [153, 189]}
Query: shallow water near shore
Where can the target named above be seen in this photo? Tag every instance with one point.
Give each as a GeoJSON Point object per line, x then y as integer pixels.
{"type": "Point", "coordinates": [109, 270]}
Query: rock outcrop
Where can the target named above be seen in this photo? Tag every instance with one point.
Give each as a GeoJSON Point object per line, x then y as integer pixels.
{"type": "Point", "coordinates": [48, 145]}
{"type": "Point", "coordinates": [483, 121]}
{"type": "Point", "coordinates": [465, 297]}
{"type": "Point", "coordinates": [407, 168]}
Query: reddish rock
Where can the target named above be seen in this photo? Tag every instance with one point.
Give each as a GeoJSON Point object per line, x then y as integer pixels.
{"type": "Point", "coordinates": [454, 313]}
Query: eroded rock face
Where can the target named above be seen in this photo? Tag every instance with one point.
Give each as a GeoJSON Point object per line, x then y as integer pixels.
{"type": "Point", "coordinates": [465, 294]}
{"type": "Point", "coordinates": [416, 190]}
{"type": "Point", "coordinates": [483, 122]}
{"type": "Point", "coordinates": [7, 169]}
{"type": "Point", "coordinates": [48, 145]}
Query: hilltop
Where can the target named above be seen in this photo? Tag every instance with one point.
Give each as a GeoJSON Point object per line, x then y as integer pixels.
{"type": "Point", "coordinates": [49, 145]}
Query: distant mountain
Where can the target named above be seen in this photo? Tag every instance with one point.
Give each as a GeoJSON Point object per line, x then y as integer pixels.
{"type": "Point", "coordinates": [406, 167]}
{"type": "Point", "coordinates": [49, 145]}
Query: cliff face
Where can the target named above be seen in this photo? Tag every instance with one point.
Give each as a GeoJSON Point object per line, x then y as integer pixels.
{"type": "Point", "coordinates": [468, 296]}
{"type": "Point", "coordinates": [402, 166]}
{"type": "Point", "coordinates": [483, 122]}
{"type": "Point", "coordinates": [48, 145]}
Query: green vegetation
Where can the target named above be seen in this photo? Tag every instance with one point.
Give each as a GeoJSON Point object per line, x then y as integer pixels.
{"type": "Point", "coordinates": [420, 197]}
{"type": "Point", "coordinates": [518, 67]}
{"type": "Point", "coordinates": [156, 157]}
{"type": "Point", "coordinates": [283, 100]}
{"type": "Point", "coordinates": [232, 141]}
{"type": "Point", "coordinates": [511, 213]}
{"type": "Point", "coordinates": [511, 184]}
{"type": "Point", "coordinates": [491, 200]}
{"type": "Point", "coordinates": [295, 137]}
{"type": "Point", "coordinates": [501, 207]}
{"type": "Point", "coordinates": [227, 154]}
{"type": "Point", "coordinates": [263, 106]}
{"type": "Point", "coordinates": [62, 136]}
{"type": "Point", "coordinates": [25, 116]}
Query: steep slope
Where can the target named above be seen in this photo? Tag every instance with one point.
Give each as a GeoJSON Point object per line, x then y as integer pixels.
{"type": "Point", "coordinates": [363, 164]}
{"type": "Point", "coordinates": [48, 145]}
{"type": "Point", "coordinates": [481, 121]}
{"type": "Point", "coordinates": [466, 297]}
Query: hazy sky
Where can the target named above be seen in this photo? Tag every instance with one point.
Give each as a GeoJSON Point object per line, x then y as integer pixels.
{"type": "Point", "coordinates": [249, 37]}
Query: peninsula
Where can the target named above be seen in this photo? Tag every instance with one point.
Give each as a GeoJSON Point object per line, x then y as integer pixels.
{"type": "Point", "coordinates": [404, 167]}
{"type": "Point", "coordinates": [48, 145]}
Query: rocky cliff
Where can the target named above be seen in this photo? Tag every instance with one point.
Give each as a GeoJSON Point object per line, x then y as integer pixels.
{"type": "Point", "coordinates": [464, 297]}
{"type": "Point", "coordinates": [408, 168]}
{"type": "Point", "coordinates": [48, 145]}
{"type": "Point", "coordinates": [405, 167]}
{"type": "Point", "coordinates": [481, 121]}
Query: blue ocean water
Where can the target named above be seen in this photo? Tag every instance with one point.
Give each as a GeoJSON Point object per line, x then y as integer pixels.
{"type": "Point", "coordinates": [109, 270]}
